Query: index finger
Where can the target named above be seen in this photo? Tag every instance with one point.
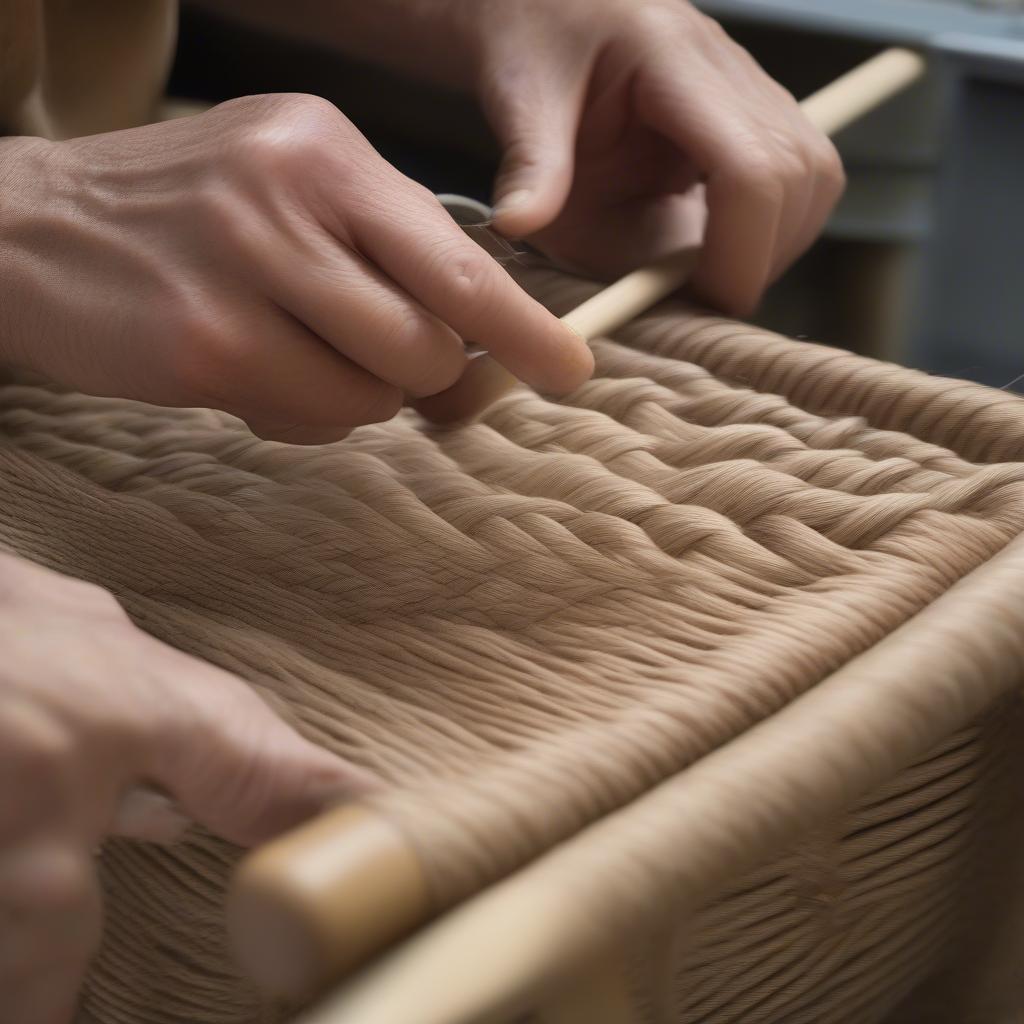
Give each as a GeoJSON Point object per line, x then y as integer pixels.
{"type": "Point", "coordinates": [422, 249]}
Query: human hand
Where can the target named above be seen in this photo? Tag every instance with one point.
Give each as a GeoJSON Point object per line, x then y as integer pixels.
{"type": "Point", "coordinates": [626, 124]}
{"type": "Point", "coordinates": [92, 709]}
{"type": "Point", "coordinates": [259, 258]}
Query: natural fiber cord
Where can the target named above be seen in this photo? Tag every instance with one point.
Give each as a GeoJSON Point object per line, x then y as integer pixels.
{"type": "Point", "coordinates": [528, 623]}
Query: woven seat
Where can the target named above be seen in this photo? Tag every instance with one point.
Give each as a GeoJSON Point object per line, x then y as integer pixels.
{"type": "Point", "coordinates": [543, 628]}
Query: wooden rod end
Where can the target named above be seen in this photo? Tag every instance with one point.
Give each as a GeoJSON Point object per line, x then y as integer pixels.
{"type": "Point", "coordinates": [311, 905]}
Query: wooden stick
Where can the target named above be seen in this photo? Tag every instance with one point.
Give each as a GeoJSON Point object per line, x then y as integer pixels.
{"type": "Point", "coordinates": [831, 109]}
{"type": "Point", "coordinates": [315, 903]}
{"type": "Point", "coordinates": [860, 90]}
{"type": "Point", "coordinates": [631, 295]}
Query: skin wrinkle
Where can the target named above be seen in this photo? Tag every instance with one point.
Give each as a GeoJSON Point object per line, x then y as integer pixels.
{"type": "Point", "coordinates": [576, 599]}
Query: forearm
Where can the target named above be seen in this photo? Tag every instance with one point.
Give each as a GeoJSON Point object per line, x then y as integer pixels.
{"type": "Point", "coordinates": [432, 39]}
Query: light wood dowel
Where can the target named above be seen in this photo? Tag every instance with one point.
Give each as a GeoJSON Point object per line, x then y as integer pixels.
{"type": "Point", "coordinates": [316, 902]}
{"type": "Point", "coordinates": [868, 85]}
{"type": "Point", "coordinates": [631, 295]}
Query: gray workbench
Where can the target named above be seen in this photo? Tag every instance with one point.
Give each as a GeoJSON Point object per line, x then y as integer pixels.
{"type": "Point", "coordinates": [937, 174]}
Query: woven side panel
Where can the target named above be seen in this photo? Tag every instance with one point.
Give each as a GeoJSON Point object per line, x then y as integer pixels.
{"type": "Point", "coordinates": [861, 912]}
{"type": "Point", "coordinates": [574, 600]}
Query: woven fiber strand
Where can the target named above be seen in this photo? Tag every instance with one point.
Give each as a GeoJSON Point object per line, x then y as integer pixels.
{"type": "Point", "coordinates": [523, 624]}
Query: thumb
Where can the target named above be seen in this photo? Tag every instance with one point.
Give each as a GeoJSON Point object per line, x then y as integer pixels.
{"type": "Point", "coordinates": [536, 126]}
{"type": "Point", "coordinates": [233, 766]}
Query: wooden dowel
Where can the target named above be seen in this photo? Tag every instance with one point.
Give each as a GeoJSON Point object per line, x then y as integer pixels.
{"type": "Point", "coordinates": [847, 99]}
{"type": "Point", "coordinates": [315, 903]}
{"type": "Point", "coordinates": [631, 295]}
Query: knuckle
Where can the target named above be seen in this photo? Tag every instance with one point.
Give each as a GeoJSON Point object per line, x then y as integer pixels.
{"type": "Point", "coordinates": [756, 172]}
{"type": "Point", "coordinates": [753, 162]}
{"type": "Point", "coordinates": [431, 355]}
{"type": "Point", "coordinates": [526, 151]}
{"type": "Point", "coordinates": [790, 158]}
{"type": "Point", "coordinates": [712, 29]}
{"type": "Point", "coordinates": [472, 278]}
{"type": "Point", "coordinates": [294, 130]}
{"type": "Point", "coordinates": [48, 885]}
{"type": "Point", "coordinates": [38, 752]}
{"type": "Point", "coordinates": [69, 885]}
{"type": "Point", "coordinates": [306, 109]}
{"type": "Point", "coordinates": [830, 168]}
{"type": "Point", "coordinates": [207, 357]}
{"type": "Point", "coordinates": [655, 20]}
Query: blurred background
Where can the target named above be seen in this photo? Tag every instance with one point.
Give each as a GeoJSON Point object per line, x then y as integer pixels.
{"type": "Point", "coordinates": [923, 261]}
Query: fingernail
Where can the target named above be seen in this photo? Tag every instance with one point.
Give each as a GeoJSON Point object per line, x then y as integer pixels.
{"type": "Point", "coordinates": [513, 201]}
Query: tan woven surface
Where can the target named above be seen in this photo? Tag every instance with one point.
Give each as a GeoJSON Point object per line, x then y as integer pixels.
{"type": "Point", "coordinates": [867, 909]}
{"type": "Point", "coordinates": [527, 623]}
